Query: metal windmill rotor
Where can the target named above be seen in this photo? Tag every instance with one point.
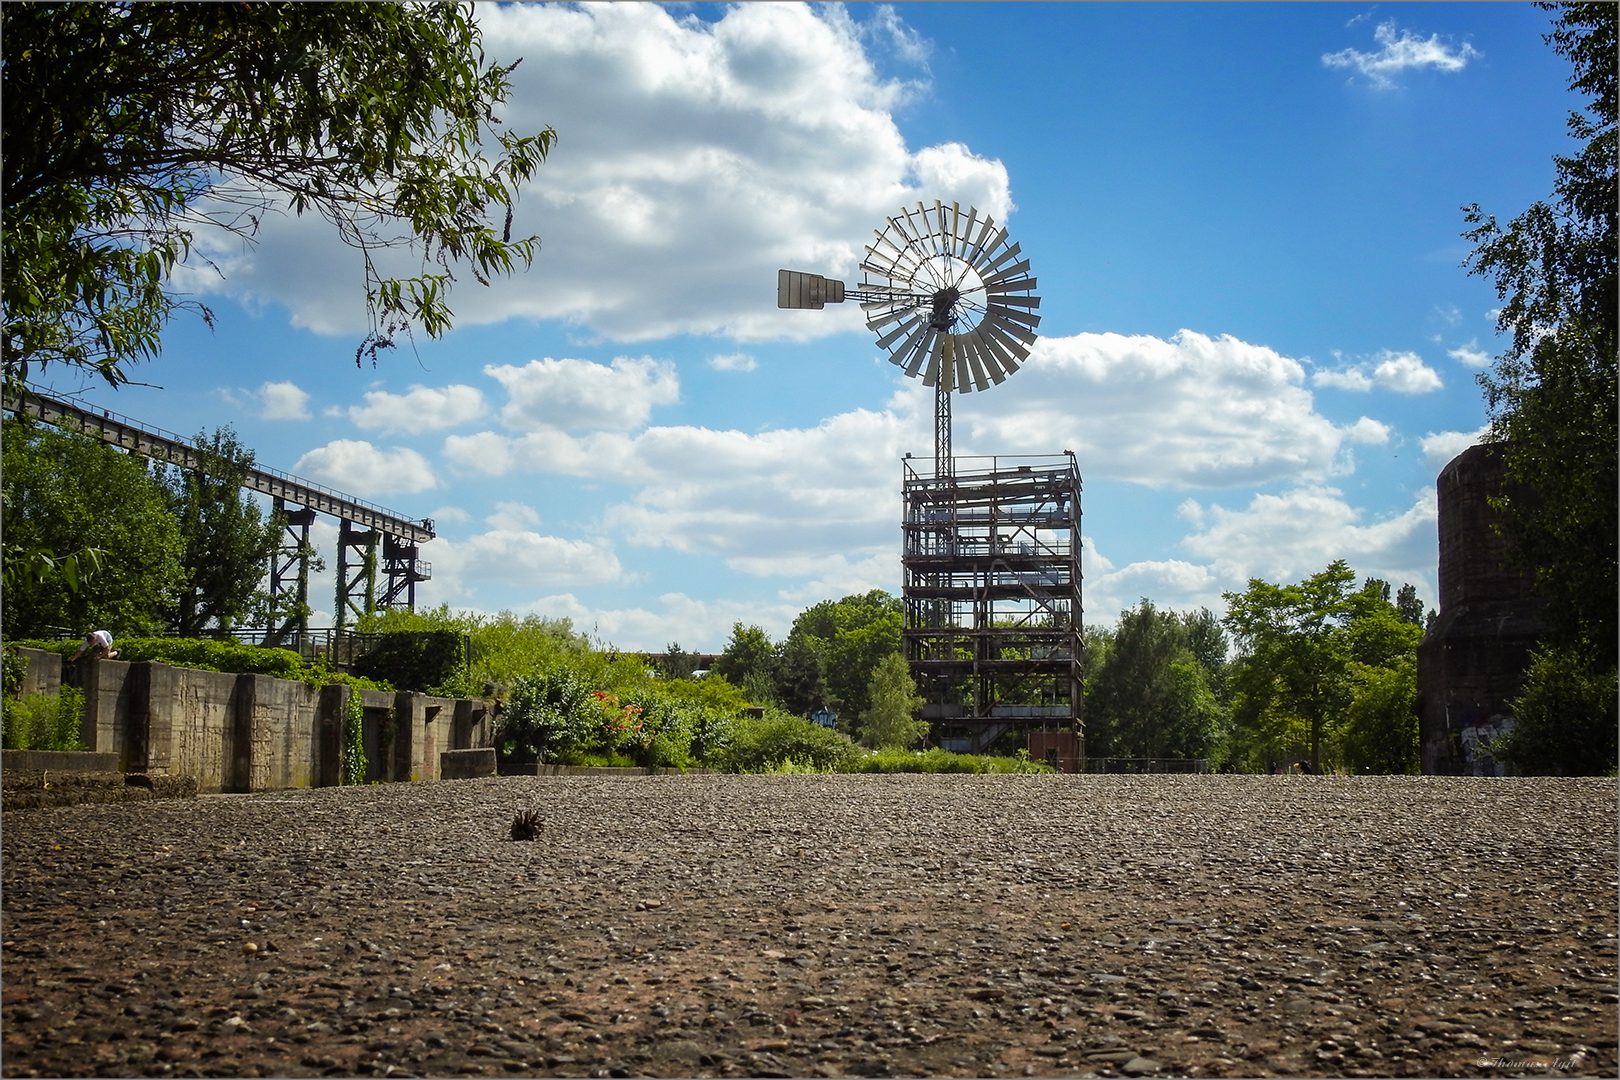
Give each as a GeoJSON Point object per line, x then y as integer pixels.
{"type": "Point", "coordinates": [948, 297]}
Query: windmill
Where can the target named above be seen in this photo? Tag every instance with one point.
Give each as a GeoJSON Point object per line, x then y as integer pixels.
{"type": "Point", "coordinates": [990, 546]}
{"type": "Point", "coordinates": [948, 297]}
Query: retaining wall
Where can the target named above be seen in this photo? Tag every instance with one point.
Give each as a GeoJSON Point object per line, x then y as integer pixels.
{"type": "Point", "coordinates": [254, 732]}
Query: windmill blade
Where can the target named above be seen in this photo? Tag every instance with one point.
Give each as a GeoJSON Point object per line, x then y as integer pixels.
{"type": "Point", "coordinates": [1015, 301]}
{"type": "Point", "coordinates": [956, 223]}
{"type": "Point", "coordinates": [1027, 318]}
{"type": "Point", "coordinates": [993, 267]}
{"type": "Point", "coordinates": [879, 321]}
{"type": "Point", "coordinates": [987, 357]}
{"type": "Point", "coordinates": [986, 250]}
{"type": "Point", "coordinates": [896, 334]}
{"type": "Point", "coordinates": [914, 350]}
{"type": "Point", "coordinates": [1012, 284]}
{"type": "Point", "coordinates": [997, 347]}
{"type": "Point", "coordinates": [935, 355]}
{"type": "Point", "coordinates": [1015, 272]}
{"type": "Point", "coordinates": [1016, 338]}
{"type": "Point", "coordinates": [964, 348]}
{"type": "Point", "coordinates": [964, 379]}
{"type": "Point", "coordinates": [967, 234]}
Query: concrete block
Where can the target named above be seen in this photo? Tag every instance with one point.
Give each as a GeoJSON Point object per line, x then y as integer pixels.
{"type": "Point", "coordinates": [57, 761]}
{"type": "Point", "coordinates": [44, 675]}
{"type": "Point", "coordinates": [467, 764]}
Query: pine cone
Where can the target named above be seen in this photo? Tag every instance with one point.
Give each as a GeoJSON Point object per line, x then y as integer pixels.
{"type": "Point", "coordinates": [527, 825]}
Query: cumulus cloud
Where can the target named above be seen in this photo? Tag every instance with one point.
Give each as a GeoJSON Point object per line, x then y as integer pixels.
{"type": "Point", "coordinates": [575, 395]}
{"type": "Point", "coordinates": [791, 492]}
{"type": "Point", "coordinates": [1471, 355]}
{"type": "Point", "coordinates": [1191, 411]}
{"type": "Point", "coordinates": [737, 361]}
{"type": "Point", "coordinates": [419, 409]}
{"type": "Point", "coordinates": [518, 558]}
{"type": "Point", "coordinates": [357, 467]}
{"type": "Point", "coordinates": [513, 515]}
{"type": "Point", "coordinates": [282, 401]}
{"type": "Point", "coordinates": [1440, 447]}
{"type": "Point", "coordinates": [697, 625]}
{"type": "Point", "coordinates": [693, 160]}
{"type": "Point", "coordinates": [1401, 51]}
{"type": "Point", "coordinates": [1402, 372]}
{"type": "Point", "coordinates": [1287, 536]}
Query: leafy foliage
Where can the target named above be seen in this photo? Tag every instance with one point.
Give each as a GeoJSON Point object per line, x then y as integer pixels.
{"type": "Point", "coordinates": [1150, 690]}
{"type": "Point", "coordinates": [226, 540]}
{"type": "Point", "coordinates": [763, 745]}
{"type": "Point", "coordinates": [1552, 393]}
{"type": "Point", "coordinates": [1565, 719]}
{"type": "Point", "coordinates": [748, 662]}
{"type": "Point", "coordinates": [1553, 396]}
{"type": "Point", "coordinates": [65, 492]}
{"type": "Point", "coordinates": [851, 636]}
{"type": "Point", "coordinates": [1309, 652]}
{"type": "Point", "coordinates": [129, 125]}
{"type": "Point", "coordinates": [890, 721]}
{"type": "Point", "coordinates": [936, 760]}
{"type": "Point", "coordinates": [42, 721]}
{"type": "Point", "coordinates": [413, 659]}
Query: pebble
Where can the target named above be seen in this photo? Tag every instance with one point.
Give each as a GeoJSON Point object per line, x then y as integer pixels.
{"type": "Point", "coordinates": [818, 925]}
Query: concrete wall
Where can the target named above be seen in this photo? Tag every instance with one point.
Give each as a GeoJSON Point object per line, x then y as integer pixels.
{"type": "Point", "coordinates": [44, 674]}
{"type": "Point", "coordinates": [257, 733]}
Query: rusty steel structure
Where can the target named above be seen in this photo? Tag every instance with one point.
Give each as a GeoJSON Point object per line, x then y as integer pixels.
{"type": "Point", "coordinates": [992, 596]}
{"type": "Point", "coordinates": [295, 502]}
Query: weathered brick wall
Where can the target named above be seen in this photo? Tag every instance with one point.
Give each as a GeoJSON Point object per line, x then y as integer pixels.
{"type": "Point", "coordinates": [1472, 659]}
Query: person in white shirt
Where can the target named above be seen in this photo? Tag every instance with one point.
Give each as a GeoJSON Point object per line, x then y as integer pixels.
{"type": "Point", "coordinates": [98, 643]}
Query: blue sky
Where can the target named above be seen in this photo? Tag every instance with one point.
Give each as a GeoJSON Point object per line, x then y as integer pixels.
{"type": "Point", "coordinates": [1244, 218]}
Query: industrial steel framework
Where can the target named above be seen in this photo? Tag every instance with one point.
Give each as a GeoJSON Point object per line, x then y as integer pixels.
{"type": "Point", "coordinates": [991, 589]}
{"type": "Point", "coordinates": [289, 565]}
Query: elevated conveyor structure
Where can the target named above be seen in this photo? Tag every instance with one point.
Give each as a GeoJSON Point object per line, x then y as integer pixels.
{"type": "Point", "coordinates": [366, 522]}
{"type": "Point", "coordinates": [991, 568]}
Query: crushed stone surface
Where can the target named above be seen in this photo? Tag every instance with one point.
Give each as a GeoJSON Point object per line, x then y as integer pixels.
{"type": "Point", "coordinates": [1000, 926]}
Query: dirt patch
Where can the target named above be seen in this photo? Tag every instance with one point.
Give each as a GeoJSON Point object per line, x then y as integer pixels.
{"type": "Point", "coordinates": [822, 926]}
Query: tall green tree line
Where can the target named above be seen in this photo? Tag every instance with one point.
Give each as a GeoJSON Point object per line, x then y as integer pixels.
{"type": "Point", "coordinates": [1552, 396]}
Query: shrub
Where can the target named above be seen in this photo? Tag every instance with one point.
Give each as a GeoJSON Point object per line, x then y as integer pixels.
{"type": "Point", "coordinates": [764, 745]}
{"type": "Point", "coordinates": [414, 659]}
{"type": "Point", "coordinates": [43, 721]}
{"type": "Point", "coordinates": [228, 656]}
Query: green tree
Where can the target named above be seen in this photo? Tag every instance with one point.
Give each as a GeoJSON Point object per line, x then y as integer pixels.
{"type": "Point", "coordinates": [797, 676]}
{"type": "Point", "coordinates": [1379, 733]}
{"type": "Point", "coordinates": [227, 540]}
{"type": "Point", "coordinates": [1300, 646]}
{"type": "Point", "coordinates": [749, 663]}
{"type": "Point", "coordinates": [678, 663]}
{"type": "Point", "coordinates": [852, 636]}
{"type": "Point", "coordinates": [128, 126]}
{"type": "Point", "coordinates": [66, 492]}
{"type": "Point", "coordinates": [1552, 396]}
{"type": "Point", "coordinates": [1149, 693]}
{"type": "Point", "coordinates": [890, 720]}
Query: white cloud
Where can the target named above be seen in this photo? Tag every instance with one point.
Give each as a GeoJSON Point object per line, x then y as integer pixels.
{"type": "Point", "coordinates": [357, 467]}
{"type": "Point", "coordinates": [1441, 446]}
{"type": "Point", "coordinates": [1288, 536]}
{"type": "Point", "coordinates": [282, 401]}
{"type": "Point", "coordinates": [450, 513]}
{"type": "Point", "coordinates": [1401, 51]}
{"type": "Point", "coordinates": [518, 559]}
{"type": "Point", "coordinates": [693, 160]}
{"type": "Point", "coordinates": [512, 515]}
{"type": "Point", "coordinates": [420, 409]}
{"type": "Point", "coordinates": [1471, 355]}
{"type": "Point", "coordinates": [737, 361]}
{"type": "Point", "coordinates": [1402, 372]}
{"type": "Point", "coordinates": [577, 395]}
{"type": "Point", "coordinates": [1190, 411]}
{"type": "Point", "coordinates": [697, 625]}
{"type": "Point", "coordinates": [791, 492]}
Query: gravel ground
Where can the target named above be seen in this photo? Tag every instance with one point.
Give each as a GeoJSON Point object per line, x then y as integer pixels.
{"type": "Point", "coordinates": [821, 926]}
